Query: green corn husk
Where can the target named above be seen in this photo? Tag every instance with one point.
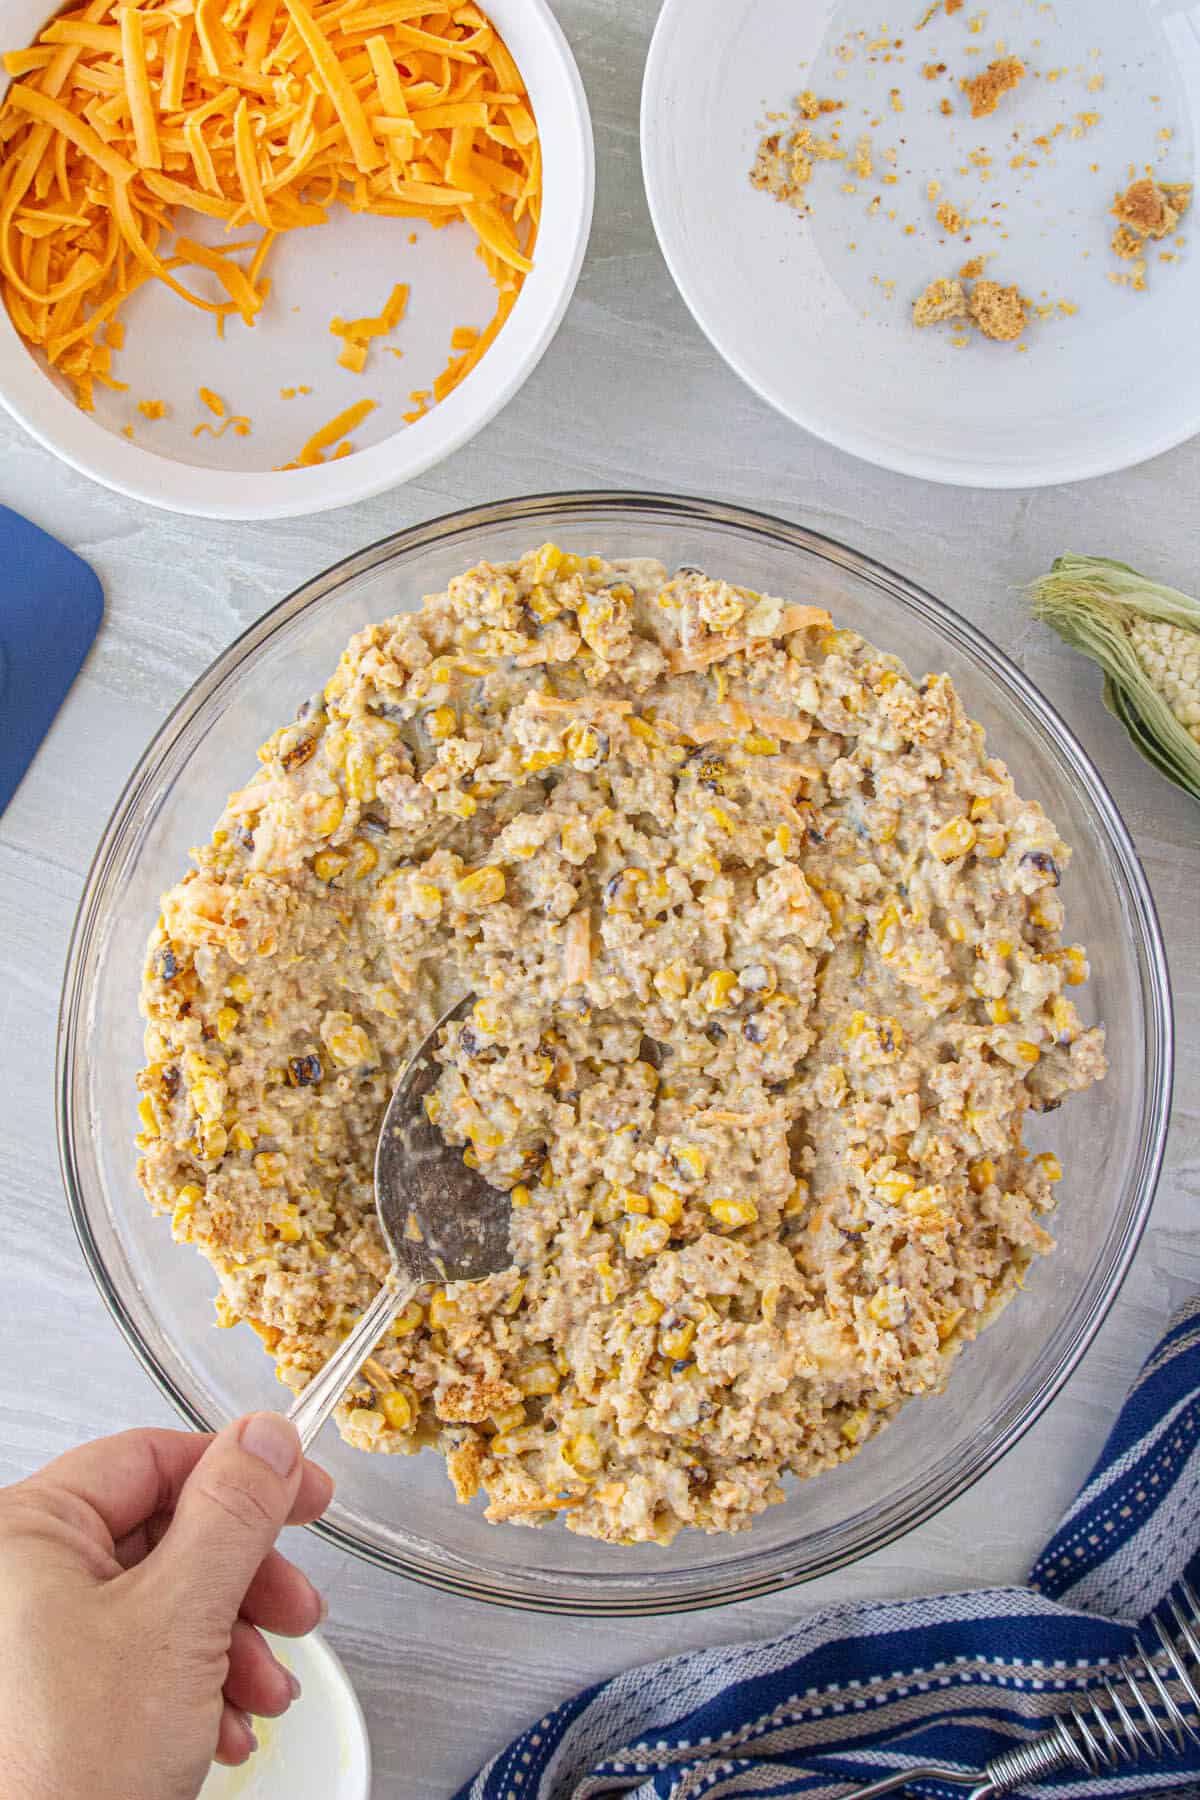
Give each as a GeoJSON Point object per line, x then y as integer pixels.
{"type": "Point", "coordinates": [1091, 601]}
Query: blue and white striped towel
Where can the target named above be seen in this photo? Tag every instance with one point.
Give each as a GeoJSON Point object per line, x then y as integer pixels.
{"type": "Point", "coordinates": [863, 1691]}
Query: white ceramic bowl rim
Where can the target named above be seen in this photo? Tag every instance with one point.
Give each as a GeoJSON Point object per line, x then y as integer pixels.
{"type": "Point", "coordinates": [568, 177]}
{"type": "Point", "coordinates": [551, 514]}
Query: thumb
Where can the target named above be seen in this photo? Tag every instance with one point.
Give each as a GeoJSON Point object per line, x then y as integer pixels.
{"type": "Point", "coordinates": [229, 1512]}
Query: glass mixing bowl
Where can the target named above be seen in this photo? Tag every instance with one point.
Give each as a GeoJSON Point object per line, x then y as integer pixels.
{"type": "Point", "coordinates": [399, 1512]}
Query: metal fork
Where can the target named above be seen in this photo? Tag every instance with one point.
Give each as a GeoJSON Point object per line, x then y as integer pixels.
{"type": "Point", "coordinates": [1134, 1717]}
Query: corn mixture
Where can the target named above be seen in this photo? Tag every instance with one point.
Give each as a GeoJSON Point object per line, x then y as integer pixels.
{"type": "Point", "coordinates": [768, 967]}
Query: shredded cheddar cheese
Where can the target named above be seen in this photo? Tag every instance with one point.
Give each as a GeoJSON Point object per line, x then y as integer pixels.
{"type": "Point", "coordinates": [123, 117]}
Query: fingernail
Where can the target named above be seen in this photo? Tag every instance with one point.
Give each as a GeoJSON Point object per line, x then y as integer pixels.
{"type": "Point", "coordinates": [250, 1733]}
{"type": "Point", "coordinates": [297, 1690]}
{"type": "Point", "coordinates": [271, 1438]}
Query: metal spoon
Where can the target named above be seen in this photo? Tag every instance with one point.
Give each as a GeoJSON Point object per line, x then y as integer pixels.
{"type": "Point", "coordinates": [441, 1222]}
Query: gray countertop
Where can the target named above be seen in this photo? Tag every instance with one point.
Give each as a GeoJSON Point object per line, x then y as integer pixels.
{"type": "Point", "coordinates": [629, 395]}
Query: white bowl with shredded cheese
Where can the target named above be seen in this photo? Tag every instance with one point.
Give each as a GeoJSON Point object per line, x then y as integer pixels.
{"type": "Point", "coordinates": [361, 309]}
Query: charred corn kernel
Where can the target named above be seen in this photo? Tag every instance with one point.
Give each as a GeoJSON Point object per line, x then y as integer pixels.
{"type": "Point", "coordinates": [328, 864]}
{"type": "Point", "coordinates": [363, 858]}
{"type": "Point", "coordinates": [645, 1237]}
{"type": "Point", "coordinates": [433, 1107]}
{"type": "Point", "coordinates": [520, 1195]}
{"type": "Point", "coordinates": [425, 900]}
{"type": "Point", "coordinates": [329, 815]}
{"type": "Point", "coordinates": [647, 1310]}
{"type": "Point", "coordinates": [483, 887]}
{"type": "Point", "coordinates": [953, 840]}
{"type": "Point", "coordinates": [855, 1426]}
{"type": "Point", "coordinates": [981, 1173]}
{"type": "Point", "coordinates": [288, 1226]}
{"type": "Point", "coordinates": [1028, 1053]}
{"type": "Point", "coordinates": [992, 841]}
{"type": "Point", "coordinates": [1075, 965]}
{"type": "Point", "coordinates": [397, 1409]}
{"type": "Point", "coordinates": [1064, 1020]}
{"type": "Point", "coordinates": [948, 1323]}
{"type": "Point", "coordinates": [632, 1202]}
{"type": "Point", "coordinates": [241, 1138]}
{"type": "Point", "coordinates": [797, 1200]}
{"type": "Point", "coordinates": [760, 743]}
{"type": "Point", "coordinates": [441, 723]}
{"type": "Point", "coordinates": [239, 988]}
{"type": "Point", "coordinates": [718, 988]}
{"type": "Point", "coordinates": [997, 1012]}
{"type": "Point", "coordinates": [666, 1203]}
{"type": "Point", "coordinates": [214, 1141]}
{"type": "Point", "coordinates": [360, 774]}
{"type": "Point", "coordinates": [981, 806]}
{"type": "Point", "coordinates": [689, 1160]}
{"type": "Point", "coordinates": [269, 1167]}
{"type": "Point", "coordinates": [442, 1310]}
{"type": "Point", "coordinates": [895, 1188]}
{"type": "Point", "coordinates": [672, 981]}
{"type": "Point", "coordinates": [583, 1453]}
{"type": "Point", "coordinates": [347, 1043]}
{"type": "Point", "coordinates": [147, 1112]}
{"type": "Point", "coordinates": [888, 1306]}
{"type": "Point", "coordinates": [406, 1322]}
{"type": "Point", "coordinates": [720, 818]}
{"type": "Point", "coordinates": [956, 931]}
{"type": "Point", "coordinates": [674, 1341]}
{"type": "Point", "coordinates": [733, 1212]}
{"type": "Point", "coordinates": [539, 1378]}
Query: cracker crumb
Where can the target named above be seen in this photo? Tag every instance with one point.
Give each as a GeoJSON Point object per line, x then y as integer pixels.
{"type": "Point", "coordinates": [1126, 243]}
{"type": "Point", "coordinates": [971, 270]}
{"type": "Point", "coordinates": [932, 190]}
{"type": "Point", "coordinates": [1152, 209]}
{"type": "Point", "coordinates": [999, 312]}
{"type": "Point", "coordinates": [949, 217]}
{"type": "Point", "coordinates": [946, 107]}
{"type": "Point", "coordinates": [931, 71]}
{"type": "Point", "coordinates": [986, 90]}
{"type": "Point", "coordinates": [943, 299]}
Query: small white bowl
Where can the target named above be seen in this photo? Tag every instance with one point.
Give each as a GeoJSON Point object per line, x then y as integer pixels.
{"type": "Point", "coordinates": [318, 1750]}
{"type": "Point", "coordinates": [349, 266]}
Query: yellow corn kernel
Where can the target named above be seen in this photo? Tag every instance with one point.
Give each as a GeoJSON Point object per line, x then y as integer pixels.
{"type": "Point", "coordinates": [733, 1212]}
{"type": "Point", "coordinates": [406, 1322]}
{"type": "Point", "coordinates": [334, 744]}
{"type": "Point", "coordinates": [441, 723]}
{"type": "Point", "coordinates": [718, 988]}
{"type": "Point", "coordinates": [948, 1323]}
{"type": "Point", "coordinates": [363, 858]}
{"type": "Point", "coordinates": [797, 1200]}
{"type": "Point", "coordinates": [1049, 1164]}
{"type": "Point", "coordinates": [537, 760]}
{"type": "Point", "coordinates": [833, 902]}
{"type": "Point", "coordinates": [360, 774]}
{"type": "Point", "coordinates": [329, 815]}
{"type": "Point", "coordinates": [672, 981]}
{"type": "Point", "coordinates": [460, 805]}
{"type": "Point", "coordinates": [981, 1173]}
{"type": "Point", "coordinates": [620, 893]}
{"type": "Point", "coordinates": [483, 887]}
{"type": "Point", "coordinates": [513, 1303]}
{"type": "Point", "coordinates": [347, 1043]}
{"type": "Point", "coordinates": [956, 931]}
{"type": "Point", "coordinates": [643, 729]}
{"type": "Point", "coordinates": [886, 830]}
{"type": "Point", "coordinates": [644, 1237]}
{"type": "Point", "coordinates": [269, 1167]}
{"type": "Point", "coordinates": [442, 1310]}
{"type": "Point", "coordinates": [887, 925]}
{"type": "Point", "coordinates": [424, 900]}
{"type": "Point", "coordinates": [188, 1196]}
{"type": "Point", "coordinates": [148, 1114]}
{"type": "Point", "coordinates": [674, 1341]}
{"type": "Point", "coordinates": [888, 1307]}
{"type": "Point", "coordinates": [397, 1409]}
{"type": "Point", "coordinates": [509, 1418]}
{"type": "Point", "coordinates": [781, 837]}
{"type": "Point", "coordinates": [289, 1227]}
{"type": "Point", "coordinates": [720, 818]}
{"type": "Point", "coordinates": [583, 1453]}
{"type": "Point", "coordinates": [1064, 1020]}
{"type": "Point", "coordinates": [584, 744]}
{"type": "Point", "coordinates": [520, 1195]}
{"type": "Point", "coordinates": [1003, 947]}
{"type": "Point", "coordinates": [689, 1160]}
{"type": "Point", "coordinates": [759, 743]}
{"type": "Point", "coordinates": [214, 1141]}
{"type": "Point", "coordinates": [855, 1426]}
{"type": "Point", "coordinates": [576, 840]}
{"type": "Point", "coordinates": [1075, 965]}
{"type": "Point", "coordinates": [608, 1280]}
{"type": "Point", "coordinates": [433, 1107]}
{"type": "Point", "coordinates": [1028, 1053]}
{"type": "Point", "coordinates": [647, 1310]}
{"type": "Point", "coordinates": [546, 562]}
{"type": "Point", "coordinates": [328, 864]}
{"type": "Point", "coordinates": [981, 806]}
{"type": "Point", "coordinates": [666, 1203]}
{"type": "Point", "coordinates": [240, 989]}
{"type": "Point", "coordinates": [241, 1138]}
{"type": "Point", "coordinates": [992, 842]}
{"type": "Point", "coordinates": [539, 1378]}
{"type": "Point", "coordinates": [953, 840]}
{"type": "Point", "coordinates": [895, 1188]}
{"type": "Point", "coordinates": [997, 1012]}
{"type": "Point", "coordinates": [633, 1203]}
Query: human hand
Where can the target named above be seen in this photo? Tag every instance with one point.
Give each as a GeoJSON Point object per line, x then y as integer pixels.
{"type": "Point", "coordinates": [134, 1573]}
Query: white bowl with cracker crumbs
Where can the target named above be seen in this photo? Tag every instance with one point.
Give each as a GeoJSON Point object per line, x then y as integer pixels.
{"type": "Point", "coordinates": [362, 308]}
{"type": "Point", "coordinates": [318, 1750]}
{"type": "Point", "coordinates": [973, 151]}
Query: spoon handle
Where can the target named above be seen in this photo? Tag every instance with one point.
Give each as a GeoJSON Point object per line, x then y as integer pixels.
{"type": "Point", "coordinates": [309, 1411]}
